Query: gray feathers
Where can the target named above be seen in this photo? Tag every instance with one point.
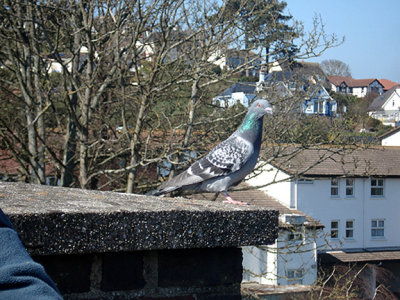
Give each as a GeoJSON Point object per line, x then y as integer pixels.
{"type": "Point", "coordinates": [229, 162]}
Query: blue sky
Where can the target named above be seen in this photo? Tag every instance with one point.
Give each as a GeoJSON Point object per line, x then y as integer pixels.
{"type": "Point", "coordinates": [371, 29]}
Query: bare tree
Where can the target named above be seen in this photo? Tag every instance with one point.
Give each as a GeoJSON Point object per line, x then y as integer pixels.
{"type": "Point", "coordinates": [141, 67]}
{"type": "Point", "coordinates": [335, 67]}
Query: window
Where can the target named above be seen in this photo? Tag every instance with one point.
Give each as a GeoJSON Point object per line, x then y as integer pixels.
{"type": "Point", "coordinates": [295, 276]}
{"type": "Point", "coordinates": [334, 187]}
{"type": "Point", "coordinates": [349, 229]}
{"type": "Point", "coordinates": [376, 187]}
{"type": "Point", "coordinates": [295, 236]}
{"type": "Point", "coordinates": [349, 187]}
{"type": "Point", "coordinates": [334, 229]}
{"type": "Point", "coordinates": [305, 181]}
{"type": "Point", "coordinates": [377, 228]}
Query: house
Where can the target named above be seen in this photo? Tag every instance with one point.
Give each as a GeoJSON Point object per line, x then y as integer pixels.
{"type": "Point", "coordinates": [386, 107]}
{"type": "Point", "coordinates": [387, 84]}
{"type": "Point", "coordinates": [306, 81]}
{"type": "Point", "coordinates": [232, 59]}
{"type": "Point", "coordinates": [302, 80]}
{"type": "Point", "coordinates": [240, 92]}
{"type": "Point", "coordinates": [356, 87]}
{"type": "Point", "coordinates": [391, 138]}
{"type": "Point", "coordinates": [292, 259]}
{"type": "Point", "coordinates": [352, 192]}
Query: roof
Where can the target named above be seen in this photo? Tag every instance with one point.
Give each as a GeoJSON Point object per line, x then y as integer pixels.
{"type": "Point", "coordinates": [389, 133]}
{"type": "Point", "coordinates": [387, 84]}
{"type": "Point", "coordinates": [255, 197]}
{"type": "Point", "coordinates": [335, 162]}
{"type": "Point", "coordinates": [350, 82]}
{"type": "Point", "coordinates": [379, 101]}
{"type": "Point", "coordinates": [244, 87]}
{"type": "Point", "coordinates": [358, 256]}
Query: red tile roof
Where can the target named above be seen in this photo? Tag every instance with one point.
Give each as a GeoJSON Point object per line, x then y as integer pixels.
{"type": "Point", "coordinates": [388, 84]}
{"type": "Point", "coordinates": [350, 82]}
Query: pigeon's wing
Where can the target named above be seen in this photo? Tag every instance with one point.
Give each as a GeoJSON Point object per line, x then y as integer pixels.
{"type": "Point", "coordinates": [224, 159]}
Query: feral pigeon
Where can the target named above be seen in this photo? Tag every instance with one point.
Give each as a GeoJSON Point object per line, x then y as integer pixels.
{"type": "Point", "coordinates": [229, 162]}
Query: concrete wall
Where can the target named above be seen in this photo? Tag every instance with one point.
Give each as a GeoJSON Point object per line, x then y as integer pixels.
{"type": "Point", "coordinates": [103, 245]}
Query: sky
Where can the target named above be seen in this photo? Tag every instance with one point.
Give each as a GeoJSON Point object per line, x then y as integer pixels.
{"type": "Point", "coordinates": [371, 29]}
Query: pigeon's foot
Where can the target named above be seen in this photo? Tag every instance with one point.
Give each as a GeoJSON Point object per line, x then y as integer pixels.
{"type": "Point", "coordinates": [231, 201]}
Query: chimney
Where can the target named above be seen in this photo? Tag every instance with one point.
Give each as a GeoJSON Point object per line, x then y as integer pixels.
{"type": "Point", "coordinates": [262, 75]}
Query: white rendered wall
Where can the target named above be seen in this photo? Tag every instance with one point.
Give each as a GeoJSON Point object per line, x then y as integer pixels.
{"type": "Point", "coordinates": [260, 264]}
{"type": "Point", "coordinates": [315, 201]}
{"type": "Point", "coordinates": [392, 140]}
{"type": "Point", "coordinates": [295, 255]}
{"type": "Point", "coordinates": [269, 264]}
{"type": "Point", "coordinates": [268, 174]}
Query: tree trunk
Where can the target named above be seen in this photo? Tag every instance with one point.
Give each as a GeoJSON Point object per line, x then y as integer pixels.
{"type": "Point", "coordinates": [134, 145]}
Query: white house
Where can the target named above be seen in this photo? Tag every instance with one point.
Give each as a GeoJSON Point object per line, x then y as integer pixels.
{"type": "Point", "coordinates": [240, 92]}
{"type": "Point", "coordinates": [354, 193]}
{"type": "Point", "coordinates": [305, 82]}
{"type": "Point", "coordinates": [386, 107]}
{"type": "Point", "coordinates": [356, 87]}
{"type": "Point", "coordinates": [391, 138]}
{"type": "Point", "coordinates": [292, 259]}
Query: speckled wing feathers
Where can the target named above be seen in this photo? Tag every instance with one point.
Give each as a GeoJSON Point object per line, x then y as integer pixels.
{"type": "Point", "coordinates": [224, 159]}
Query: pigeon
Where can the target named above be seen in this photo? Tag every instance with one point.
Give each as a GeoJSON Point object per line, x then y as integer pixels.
{"type": "Point", "coordinates": [228, 163]}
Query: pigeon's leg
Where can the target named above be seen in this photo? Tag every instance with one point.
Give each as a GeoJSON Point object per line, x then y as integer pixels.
{"type": "Point", "coordinates": [231, 201]}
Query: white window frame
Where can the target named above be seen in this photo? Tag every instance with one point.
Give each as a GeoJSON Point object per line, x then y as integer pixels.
{"type": "Point", "coordinates": [336, 229]}
{"type": "Point", "coordinates": [349, 187]}
{"type": "Point", "coordinates": [295, 275]}
{"type": "Point", "coordinates": [379, 226]}
{"type": "Point", "coordinates": [349, 229]}
{"type": "Point", "coordinates": [334, 186]}
{"type": "Point", "coordinates": [295, 237]}
{"type": "Point", "coordinates": [375, 184]}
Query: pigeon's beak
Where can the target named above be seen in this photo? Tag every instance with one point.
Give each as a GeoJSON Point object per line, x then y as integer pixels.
{"type": "Point", "coordinates": [269, 110]}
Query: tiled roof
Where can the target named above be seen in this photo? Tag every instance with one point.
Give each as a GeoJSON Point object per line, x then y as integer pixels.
{"type": "Point", "coordinates": [387, 84]}
{"type": "Point", "coordinates": [258, 198]}
{"type": "Point", "coordinates": [389, 133]}
{"type": "Point", "coordinates": [360, 256]}
{"type": "Point", "coordinates": [331, 161]}
{"type": "Point", "coordinates": [244, 87]}
{"type": "Point", "coordinates": [350, 82]}
{"type": "Point", "coordinates": [379, 101]}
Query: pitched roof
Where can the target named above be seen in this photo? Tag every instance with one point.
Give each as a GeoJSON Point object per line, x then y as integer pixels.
{"type": "Point", "coordinates": [332, 161]}
{"type": "Point", "coordinates": [244, 87]}
{"type": "Point", "coordinates": [259, 198]}
{"type": "Point", "coordinates": [379, 101]}
{"type": "Point", "coordinates": [389, 133]}
{"type": "Point", "coordinates": [350, 82]}
{"type": "Point", "coordinates": [387, 84]}
{"type": "Point", "coordinates": [358, 256]}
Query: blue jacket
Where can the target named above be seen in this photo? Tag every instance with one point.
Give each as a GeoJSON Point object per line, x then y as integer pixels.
{"type": "Point", "coordinates": [21, 277]}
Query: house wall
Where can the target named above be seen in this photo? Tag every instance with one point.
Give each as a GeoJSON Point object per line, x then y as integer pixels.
{"type": "Point", "coordinates": [272, 264]}
{"type": "Point", "coordinates": [260, 264]}
{"type": "Point", "coordinates": [269, 174]}
{"type": "Point", "coordinates": [393, 103]}
{"type": "Point", "coordinates": [297, 255]}
{"type": "Point", "coordinates": [392, 140]}
{"type": "Point", "coordinates": [359, 91]}
{"type": "Point", "coordinates": [315, 200]}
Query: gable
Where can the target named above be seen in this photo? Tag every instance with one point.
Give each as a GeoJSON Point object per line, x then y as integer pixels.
{"type": "Point", "coordinates": [393, 102]}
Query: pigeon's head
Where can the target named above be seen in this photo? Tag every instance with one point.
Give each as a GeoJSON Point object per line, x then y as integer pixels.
{"type": "Point", "coordinates": [260, 108]}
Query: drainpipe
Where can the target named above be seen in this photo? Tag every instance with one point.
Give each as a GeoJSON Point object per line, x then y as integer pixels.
{"type": "Point", "coordinates": [363, 212]}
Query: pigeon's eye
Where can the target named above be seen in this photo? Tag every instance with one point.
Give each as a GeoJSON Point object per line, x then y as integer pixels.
{"type": "Point", "coordinates": [259, 105]}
